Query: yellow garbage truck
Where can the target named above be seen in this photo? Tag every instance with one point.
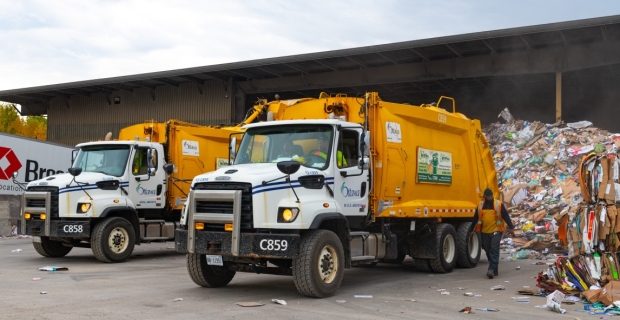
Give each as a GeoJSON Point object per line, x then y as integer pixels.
{"type": "Point", "coordinates": [122, 192]}
{"type": "Point", "coordinates": [338, 182]}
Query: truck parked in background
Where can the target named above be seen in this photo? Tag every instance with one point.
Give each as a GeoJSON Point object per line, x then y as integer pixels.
{"type": "Point", "coordinates": [122, 193]}
{"type": "Point", "coordinates": [357, 182]}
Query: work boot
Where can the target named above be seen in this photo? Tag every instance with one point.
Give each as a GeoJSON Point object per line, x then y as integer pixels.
{"type": "Point", "coordinates": [495, 273]}
{"type": "Point", "coordinates": [490, 274]}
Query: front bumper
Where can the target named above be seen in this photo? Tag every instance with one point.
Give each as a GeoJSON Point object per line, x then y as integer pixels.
{"type": "Point", "coordinates": [57, 228]}
{"type": "Point", "coordinates": [251, 245]}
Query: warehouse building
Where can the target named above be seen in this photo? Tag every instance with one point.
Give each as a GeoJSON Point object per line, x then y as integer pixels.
{"type": "Point", "coordinates": [566, 71]}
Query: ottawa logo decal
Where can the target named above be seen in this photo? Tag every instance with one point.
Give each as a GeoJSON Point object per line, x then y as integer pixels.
{"type": "Point", "coordinates": [144, 192]}
{"type": "Point", "coordinates": [347, 192]}
{"type": "Point", "coordinates": [8, 163]}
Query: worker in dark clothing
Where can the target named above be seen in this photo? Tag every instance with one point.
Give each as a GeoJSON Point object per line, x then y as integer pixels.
{"type": "Point", "coordinates": [490, 220]}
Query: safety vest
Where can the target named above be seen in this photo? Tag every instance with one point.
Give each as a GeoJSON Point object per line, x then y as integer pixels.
{"type": "Point", "coordinates": [497, 207]}
{"type": "Point", "coordinates": [340, 159]}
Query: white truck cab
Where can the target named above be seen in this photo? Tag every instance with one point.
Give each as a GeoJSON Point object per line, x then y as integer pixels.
{"type": "Point", "coordinates": [103, 202]}
{"type": "Point", "coordinates": [287, 177]}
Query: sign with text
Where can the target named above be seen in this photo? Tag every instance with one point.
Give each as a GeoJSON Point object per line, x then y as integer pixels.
{"type": "Point", "coordinates": [434, 166]}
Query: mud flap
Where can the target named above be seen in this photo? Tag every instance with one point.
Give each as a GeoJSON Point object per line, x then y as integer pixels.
{"type": "Point", "coordinates": [391, 248]}
{"type": "Point", "coordinates": [423, 246]}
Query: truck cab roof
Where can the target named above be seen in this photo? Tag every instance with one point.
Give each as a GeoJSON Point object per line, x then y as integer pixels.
{"type": "Point", "coordinates": [304, 122]}
{"type": "Point", "coordinates": [122, 142]}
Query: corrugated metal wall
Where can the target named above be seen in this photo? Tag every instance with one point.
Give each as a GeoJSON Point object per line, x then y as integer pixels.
{"type": "Point", "coordinates": [89, 118]}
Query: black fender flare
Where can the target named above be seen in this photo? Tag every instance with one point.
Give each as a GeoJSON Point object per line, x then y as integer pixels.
{"type": "Point", "coordinates": [133, 218]}
{"type": "Point", "coordinates": [343, 232]}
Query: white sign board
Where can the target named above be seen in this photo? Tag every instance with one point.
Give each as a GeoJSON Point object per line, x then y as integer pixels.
{"type": "Point", "coordinates": [32, 159]}
{"type": "Point", "coordinates": [190, 148]}
{"type": "Point", "coordinates": [393, 132]}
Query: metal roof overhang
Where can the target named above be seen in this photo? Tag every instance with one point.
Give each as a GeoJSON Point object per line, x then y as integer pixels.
{"type": "Point", "coordinates": [403, 70]}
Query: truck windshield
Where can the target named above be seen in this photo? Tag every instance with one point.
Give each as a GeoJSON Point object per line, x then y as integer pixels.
{"type": "Point", "coordinates": [110, 159]}
{"type": "Point", "coordinates": [308, 144]}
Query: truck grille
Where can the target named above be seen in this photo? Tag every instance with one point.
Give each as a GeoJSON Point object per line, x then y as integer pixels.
{"type": "Point", "coordinates": [40, 203]}
{"type": "Point", "coordinates": [226, 207]}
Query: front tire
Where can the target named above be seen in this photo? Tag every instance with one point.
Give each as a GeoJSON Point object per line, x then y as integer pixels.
{"type": "Point", "coordinates": [51, 248]}
{"type": "Point", "coordinates": [113, 240]}
{"type": "Point", "coordinates": [468, 247]}
{"type": "Point", "coordinates": [446, 249]}
{"type": "Point", "coordinates": [205, 275]}
{"type": "Point", "coordinates": [319, 268]}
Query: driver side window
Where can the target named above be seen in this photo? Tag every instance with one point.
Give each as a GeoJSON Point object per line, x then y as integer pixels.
{"type": "Point", "coordinates": [139, 165]}
{"type": "Point", "coordinates": [347, 154]}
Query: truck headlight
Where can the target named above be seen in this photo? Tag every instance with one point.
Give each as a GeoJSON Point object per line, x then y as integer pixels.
{"type": "Point", "coordinates": [287, 215]}
{"type": "Point", "coordinates": [26, 216]}
{"type": "Point", "coordinates": [42, 216]}
{"type": "Point", "coordinates": [83, 207]}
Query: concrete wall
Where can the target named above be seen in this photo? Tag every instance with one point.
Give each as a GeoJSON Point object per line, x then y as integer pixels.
{"type": "Point", "coordinates": [9, 213]}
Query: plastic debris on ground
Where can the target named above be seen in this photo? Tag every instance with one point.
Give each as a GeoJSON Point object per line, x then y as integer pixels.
{"type": "Point", "coordinates": [498, 287]}
{"type": "Point", "coordinates": [362, 296]}
{"type": "Point", "coordinates": [250, 304]}
{"type": "Point", "coordinates": [52, 268]}
{"type": "Point", "coordinates": [488, 309]}
{"type": "Point", "coordinates": [554, 301]}
{"type": "Point", "coordinates": [278, 301]}
{"type": "Point", "coordinates": [17, 250]}
{"type": "Point", "coordinates": [35, 279]}
{"type": "Point", "coordinates": [177, 300]}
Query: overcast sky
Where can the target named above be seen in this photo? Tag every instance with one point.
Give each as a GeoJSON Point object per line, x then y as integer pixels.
{"type": "Point", "coordinates": [48, 42]}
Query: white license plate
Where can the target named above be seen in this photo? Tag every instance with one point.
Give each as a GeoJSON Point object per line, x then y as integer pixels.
{"type": "Point", "coordinates": [215, 260]}
{"type": "Point", "coordinates": [36, 239]}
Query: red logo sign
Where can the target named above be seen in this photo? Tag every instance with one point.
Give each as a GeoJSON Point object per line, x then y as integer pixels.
{"type": "Point", "coordinates": [14, 164]}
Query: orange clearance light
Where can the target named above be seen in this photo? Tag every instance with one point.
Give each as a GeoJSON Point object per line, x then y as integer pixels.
{"type": "Point", "coordinates": [26, 216]}
{"type": "Point", "coordinates": [228, 227]}
{"type": "Point", "coordinates": [115, 200]}
{"type": "Point", "coordinates": [200, 226]}
{"type": "Point", "coordinates": [325, 205]}
{"type": "Point", "coordinates": [43, 216]}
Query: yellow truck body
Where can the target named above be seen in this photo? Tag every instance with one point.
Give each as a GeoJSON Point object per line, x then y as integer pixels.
{"type": "Point", "coordinates": [205, 150]}
{"type": "Point", "coordinates": [400, 177]}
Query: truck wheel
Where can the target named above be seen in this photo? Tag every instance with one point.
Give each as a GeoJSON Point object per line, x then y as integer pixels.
{"type": "Point", "coordinates": [423, 265]}
{"type": "Point", "coordinates": [51, 248]}
{"type": "Point", "coordinates": [468, 247]}
{"type": "Point", "coordinates": [446, 249]}
{"type": "Point", "coordinates": [113, 240]}
{"type": "Point", "coordinates": [205, 275]}
{"type": "Point", "coordinates": [319, 268]}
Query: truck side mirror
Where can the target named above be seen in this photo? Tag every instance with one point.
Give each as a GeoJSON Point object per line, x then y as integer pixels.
{"type": "Point", "coordinates": [288, 167]}
{"type": "Point", "coordinates": [15, 174]}
{"type": "Point", "coordinates": [151, 171]}
{"type": "Point", "coordinates": [75, 171]}
{"type": "Point", "coordinates": [149, 159]}
{"type": "Point", "coordinates": [169, 168]}
{"type": "Point", "coordinates": [366, 144]}
{"type": "Point", "coordinates": [73, 156]}
{"type": "Point", "coordinates": [232, 148]}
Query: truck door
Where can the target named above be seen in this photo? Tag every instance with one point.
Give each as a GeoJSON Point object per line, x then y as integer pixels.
{"type": "Point", "coordinates": [146, 190]}
{"type": "Point", "coordinates": [351, 180]}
